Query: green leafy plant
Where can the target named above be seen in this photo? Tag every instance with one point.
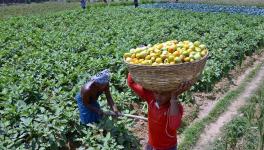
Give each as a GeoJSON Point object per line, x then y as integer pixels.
{"type": "Point", "coordinates": [44, 60]}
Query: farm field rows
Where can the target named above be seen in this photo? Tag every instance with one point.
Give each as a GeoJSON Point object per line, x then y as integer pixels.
{"type": "Point", "coordinates": [257, 3]}
{"type": "Point", "coordinates": [35, 9]}
{"type": "Point", "coordinates": [45, 59]}
{"type": "Point", "coordinates": [251, 10]}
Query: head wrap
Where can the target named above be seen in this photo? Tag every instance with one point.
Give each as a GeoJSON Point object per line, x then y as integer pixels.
{"type": "Point", "coordinates": [101, 77]}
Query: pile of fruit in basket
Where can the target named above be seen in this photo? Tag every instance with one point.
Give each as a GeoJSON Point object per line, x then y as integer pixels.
{"type": "Point", "coordinates": [167, 53]}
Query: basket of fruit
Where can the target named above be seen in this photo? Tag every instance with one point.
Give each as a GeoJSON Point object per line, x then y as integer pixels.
{"type": "Point", "coordinates": [163, 66]}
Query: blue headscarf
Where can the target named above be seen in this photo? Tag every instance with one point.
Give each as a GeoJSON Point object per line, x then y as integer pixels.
{"type": "Point", "coordinates": [102, 77]}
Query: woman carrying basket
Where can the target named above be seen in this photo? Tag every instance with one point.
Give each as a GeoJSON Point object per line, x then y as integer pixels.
{"type": "Point", "coordinates": [164, 115]}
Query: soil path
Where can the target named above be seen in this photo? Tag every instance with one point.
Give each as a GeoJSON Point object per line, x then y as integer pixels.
{"type": "Point", "coordinates": [213, 130]}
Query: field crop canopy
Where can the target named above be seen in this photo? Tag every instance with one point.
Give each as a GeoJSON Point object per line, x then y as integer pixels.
{"type": "Point", "coordinates": [44, 61]}
{"type": "Point", "coordinates": [250, 10]}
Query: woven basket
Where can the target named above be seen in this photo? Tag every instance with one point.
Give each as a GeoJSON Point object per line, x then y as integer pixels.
{"type": "Point", "coordinates": [166, 77]}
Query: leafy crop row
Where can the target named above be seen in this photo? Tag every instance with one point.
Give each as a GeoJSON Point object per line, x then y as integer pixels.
{"type": "Point", "coordinates": [45, 60]}
{"type": "Point", "coordinates": [251, 10]}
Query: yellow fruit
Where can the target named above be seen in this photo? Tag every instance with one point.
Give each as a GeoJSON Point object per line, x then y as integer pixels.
{"type": "Point", "coordinates": [192, 53]}
{"type": "Point", "coordinates": [153, 59]}
{"type": "Point", "coordinates": [171, 58]}
{"type": "Point", "coordinates": [146, 62]}
{"type": "Point", "coordinates": [180, 45]}
{"type": "Point", "coordinates": [155, 64]}
{"type": "Point", "coordinates": [197, 56]}
{"type": "Point", "coordinates": [175, 41]}
{"type": "Point", "coordinates": [151, 49]}
{"type": "Point", "coordinates": [163, 56]}
{"type": "Point", "coordinates": [143, 54]}
{"type": "Point", "coordinates": [179, 49]}
{"type": "Point", "coordinates": [186, 46]}
{"type": "Point", "coordinates": [149, 62]}
{"type": "Point", "coordinates": [137, 55]}
{"type": "Point", "coordinates": [140, 60]}
{"type": "Point", "coordinates": [177, 60]}
{"type": "Point", "coordinates": [197, 49]}
{"type": "Point", "coordinates": [183, 49]}
{"type": "Point", "coordinates": [157, 51]}
{"type": "Point", "coordinates": [148, 57]}
{"type": "Point", "coordinates": [192, 47]}
{"type": "Point", "coordinates": [128, 59]}
{"type": "Point", "coordinates": [196, 43]}
{"type": "Point", "coordinates": [164, 49]}
{"type": "Point", "coordinates": [160, 46]}
{"type": "Point", "coordinates": [172, 63]}
{"type": "Point", "coordinates": [203, 53]}
{"type": "Point", "coordinates": [135, 61]}
{"type": "Point", "coordinates": [176, 53]}
{"type": "Point", "coordinates": [168, 42]}
{"type": "Point", "coordinates": [132, 50]}
{"type": "Point", "coordinates": [202, 46]}
{"type": "Point", "coordinates": [189, 50]}
{"type": "Point", "coordinates": [185, 53]}
{"type": "Point", "coordinates": [165, 53]}
{"type": "Point", "coordinates": [182, 57]}
{"type": "Point", "coordinates": [127, 55]}
{"type": "Point", "coordinates": [169, 52]}
{"type": "Point", "coordinates": [137, 50]}
{"type": "Point", "coordinates": [187, 59]}
{"type": "Point", "coordinates": [153, 54]}
{"type": "Point", "coordinates": [186, 42]}
{"type": "Point", "coordinates": [158, 60]}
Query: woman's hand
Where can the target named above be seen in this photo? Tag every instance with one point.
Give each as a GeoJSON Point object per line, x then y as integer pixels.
{"type": "Point", "coordinates": [101, 113]}
{"type": "Point", "coordinates": [116, 111]}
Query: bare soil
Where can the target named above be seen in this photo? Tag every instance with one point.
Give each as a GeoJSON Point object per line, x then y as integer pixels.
{"type": "Point", "coordinates": [213, 130]}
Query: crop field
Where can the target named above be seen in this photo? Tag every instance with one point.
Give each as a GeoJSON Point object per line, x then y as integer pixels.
{"type": "Point", "coordinates": [45, 59]}
{"type": "Point", "coordinates": [35, 9]}
{"type": "Point", "coordinates": [208, 8]}
{"type": "Point", "coordinates": [258, 3]}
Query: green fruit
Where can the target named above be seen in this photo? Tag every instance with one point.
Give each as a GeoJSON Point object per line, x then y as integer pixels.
{"type": "Point", "coordinates": [146, 62]}
{"type": "Point", "coordinates": [158, 60]}
{"type": "Point", "coordinates": [202, 46]}
{"type": "Point", "coordinates": [127, 55]}
{"type": "Point", "coordinates": [155, 64]}
{"type": "Point", "coordinates": [204, 52]}
{"type": "Point", "coordinates": [143, 54]}
{"type": "Point", "coordinates": [180, 44]}
{"type": "Point", "coordinates": [197, 56]}
{"type": "Point", "coordinates": [171, 58]}
{"type": "Point", "coordinates": [196, 43]}
{"type": "Point", "coordinates": [198, 49]}
{"type": "Point", "coordinates": [177, 59]}
{"type": "Point", "coordinates": [192, 55]}
{"type": "Point", "coordinates": [164, 49]}
{"type": "Point", "coordinates": [185, 53]}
